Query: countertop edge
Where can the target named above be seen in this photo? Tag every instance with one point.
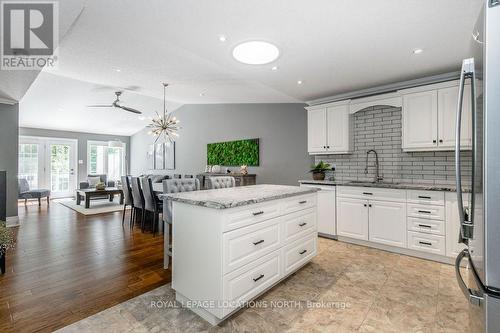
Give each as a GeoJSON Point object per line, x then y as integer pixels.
{"type": "Point", "coordinates": [216, 205]}
{"type": "Point", "coordinates": [401, 186]}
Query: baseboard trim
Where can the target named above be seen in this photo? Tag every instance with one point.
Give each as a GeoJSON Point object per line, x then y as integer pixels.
{"type": "Point", "coordinates": [12, 221]}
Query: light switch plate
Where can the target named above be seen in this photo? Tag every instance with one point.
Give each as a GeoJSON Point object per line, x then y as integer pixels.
{"type": "Point", "coordinates": [80, 161]}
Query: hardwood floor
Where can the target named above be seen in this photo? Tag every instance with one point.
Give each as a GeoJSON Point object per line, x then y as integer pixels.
{"type": "Point", "coordinates": [67, 266]}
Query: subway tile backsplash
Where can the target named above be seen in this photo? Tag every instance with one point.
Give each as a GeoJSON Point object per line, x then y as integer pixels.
{"type": "Point", "coordinates": [379, 128]}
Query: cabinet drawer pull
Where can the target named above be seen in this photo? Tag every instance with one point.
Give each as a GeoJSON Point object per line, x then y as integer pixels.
{"type": "Point", "coordinates": [302, 224]}
{"type": "Point", "coordinates": [259, 242]}
{"type": "Point", "coordinates": [425, 243]}
{"type": "Point", "coordinates": [303, 251]}
{"type": "Point", "coordinates": [302, 202]}
{"type": "Point", "coordinates": [424, 211]}
{"type": "Point", "coordinates": [424, 197]}
{"type": "Point", "coordinates": [258, 213]}
{"type": "Point", "coordinates": [258, 278]}
{"type": "Point", "coordinates": [367, 193]}
{"type": "Point", "coordinates": [425, 226]}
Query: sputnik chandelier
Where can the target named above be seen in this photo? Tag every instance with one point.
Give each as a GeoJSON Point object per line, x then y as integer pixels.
{"type": "Point", "coordinates": [165, 126]}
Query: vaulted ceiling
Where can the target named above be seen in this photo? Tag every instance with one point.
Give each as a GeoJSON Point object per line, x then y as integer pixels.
{"type": "Point", "coordinates": [333, 46]}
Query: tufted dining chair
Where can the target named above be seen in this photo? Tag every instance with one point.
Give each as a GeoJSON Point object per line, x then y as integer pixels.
{"type": "Point", "coordinates": [174, 186]}
{"type": "Point", "coordinates": [220, 182]}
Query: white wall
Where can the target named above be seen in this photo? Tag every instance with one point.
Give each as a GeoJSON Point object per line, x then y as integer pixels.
{"type": "Point", "coordinates": [281, 128]}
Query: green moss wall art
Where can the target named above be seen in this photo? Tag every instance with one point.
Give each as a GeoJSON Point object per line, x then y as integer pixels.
{"type": "Point", "coordinates": [234, 153]}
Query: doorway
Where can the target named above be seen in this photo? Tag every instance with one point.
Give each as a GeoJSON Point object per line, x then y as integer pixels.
{"type": "Point", "coordinates": [49, 163]}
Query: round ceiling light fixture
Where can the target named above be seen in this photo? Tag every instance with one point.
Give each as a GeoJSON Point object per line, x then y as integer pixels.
{"type": "Point", "coordinates": [256, 52]}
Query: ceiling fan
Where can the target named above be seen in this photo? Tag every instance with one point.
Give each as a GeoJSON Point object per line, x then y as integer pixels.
{"type": "Point", "coordinates": [116, 104]}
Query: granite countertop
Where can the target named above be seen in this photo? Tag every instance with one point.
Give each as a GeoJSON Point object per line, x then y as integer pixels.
{"type": "Point", "coordinates": [237, 196]}
{"type": "Point", "coordinates": [402, 186]}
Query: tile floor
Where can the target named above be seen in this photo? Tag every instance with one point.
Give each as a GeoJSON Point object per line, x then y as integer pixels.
{"type": "Point", "coordinates": [360, 290]}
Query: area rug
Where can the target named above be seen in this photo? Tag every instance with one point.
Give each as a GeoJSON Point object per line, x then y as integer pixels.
{"type": "Point", "coordinates": [96, 206]}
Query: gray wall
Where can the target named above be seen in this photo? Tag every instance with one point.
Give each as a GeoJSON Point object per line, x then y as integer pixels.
{"type": "Point", "coordinates": [379, 128]}
{"type": "Point", "coordinates": [281, 128]}
{"type": "Point", "coordinates": [82, 143]}
{"type": "Point", "coordinates": [9, 128]}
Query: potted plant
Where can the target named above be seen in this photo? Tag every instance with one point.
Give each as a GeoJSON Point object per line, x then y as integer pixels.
{"type": "Point", "coordinates": [319, 169]}
{"type": "Point", "coordinates": [6, 243]}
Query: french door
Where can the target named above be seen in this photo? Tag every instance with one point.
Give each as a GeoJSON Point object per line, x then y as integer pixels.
{"type": "Point", "coordinates": [49, 163]}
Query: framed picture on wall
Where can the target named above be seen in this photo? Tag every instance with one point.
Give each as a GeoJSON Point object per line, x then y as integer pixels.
{"type": "Point", "coordinates": [159, 156]}
{"type": "Point", "coordinates": [150, 157]}
{"type": "Point", "coordinates": [170, 155]}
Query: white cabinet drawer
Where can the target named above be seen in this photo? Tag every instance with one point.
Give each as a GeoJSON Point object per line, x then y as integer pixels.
{"type": "Point", "coordinates": [426, 197]}
{"type": "Point", "coordinates": [298, 253]}
{"type": "Point", "coordinates": [297, 203]}
{"type": "Point", "coordinates": [426, 242]}
{"type": "Point", "coordinates": [372, 193]}
{"type": "Point", "coordinates": [244, 245]}
{"type": "Point", "coordinates": [242, 216]}
{"type": "Point", "coordinates": [298, 224]}
{"type": "Point", "coordinates": [426, 211]}
{"type": "Point", "coordinates": [247, 282]}
{"type": "Point", "coordinates": [427, 226]}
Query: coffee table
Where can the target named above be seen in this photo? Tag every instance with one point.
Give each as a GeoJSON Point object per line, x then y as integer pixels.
{"type": "Point", "coordinates": [88, 193]}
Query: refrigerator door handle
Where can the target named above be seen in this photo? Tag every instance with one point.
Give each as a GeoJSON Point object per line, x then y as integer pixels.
{"type": "Point", "coordinates": [473, 296]}
{"type": "Point", "coordinates": [466, 231]}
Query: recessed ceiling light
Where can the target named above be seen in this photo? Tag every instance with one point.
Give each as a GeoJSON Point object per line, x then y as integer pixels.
{"type": "Point", "coordinates": [299, 82]}
{"type": "Point", "coordinates": [118, 70]}
{"type": "Point", "coordinates": [141, 118]}
{"type": "Point", "coordinates": [417, 51]}
{"type": "Point", "coordinates": [202, 94]}
{"type": "Point", "coordinates": [256, 52]}
{"type": "Point", "coordinates": [274, 68]}
{"type": "Point", "coordinates": [222, 38]}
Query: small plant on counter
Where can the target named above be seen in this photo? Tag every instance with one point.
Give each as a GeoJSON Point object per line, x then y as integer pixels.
{"type": "Point", "coordinates": [319, 170]}
{"type": "Point", "coordinates": [6, 243]}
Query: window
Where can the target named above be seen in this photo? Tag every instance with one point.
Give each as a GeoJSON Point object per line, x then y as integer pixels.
{"type": "Point", "coordinates": [28, 163]}
{"type": "Point", "coordinates": [103, 159]}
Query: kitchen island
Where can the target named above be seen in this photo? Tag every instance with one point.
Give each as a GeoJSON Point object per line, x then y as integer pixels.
{"type": "Point", "coordinates": [231, 245]}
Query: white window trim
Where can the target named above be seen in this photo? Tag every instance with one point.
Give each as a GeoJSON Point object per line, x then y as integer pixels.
{"type": "Point", "coordinates": [105, 143]}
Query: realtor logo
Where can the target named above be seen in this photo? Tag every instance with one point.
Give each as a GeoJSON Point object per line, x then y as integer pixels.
{"type": "Point", "coordinates": [29, 32]}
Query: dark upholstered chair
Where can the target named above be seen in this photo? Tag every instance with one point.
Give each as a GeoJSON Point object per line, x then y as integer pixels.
{"type": "Point", "coordinates": [220, 182]}
{"type": "Point", "coordinates": [127, 197]}
{"type": "Point", "coordinates": [151, 202]}
{"type": "Point", "coordinates": [137, 199]}
{"type": "Point", "coordinates": [26, 193]}
{"type": "Point", "coordinates": [175, 186]}
{"type": "Point", "coordinates": [188, 176]}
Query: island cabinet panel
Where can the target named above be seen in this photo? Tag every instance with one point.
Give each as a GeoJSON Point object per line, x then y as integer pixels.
{"type": "Point", "coordinates": [299, 224]}
{"type": "Point", "coordinates": [223, 257]}
{"type": "Point", "coordinates": [247, 215]}
{"type": "Point", "coordinates": [297, 254]}
{"type": "Point", "coordinates": [244, 245]}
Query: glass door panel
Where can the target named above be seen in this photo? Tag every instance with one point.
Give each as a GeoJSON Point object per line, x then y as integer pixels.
{"type": "Point", "coordinates": [61, 166]}
{"type": "Point", "coordinates": [28, 163]}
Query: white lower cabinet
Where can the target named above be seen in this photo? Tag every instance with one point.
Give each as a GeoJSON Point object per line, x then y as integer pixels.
{"type": "Point", "coordinates": [326, 209]}
{"type": "Point", "coordinates": [421, 221]}
{"type": "Point", "coordinates": [352, 218]}
{"type": "Point", "coordinates": [386, 221]}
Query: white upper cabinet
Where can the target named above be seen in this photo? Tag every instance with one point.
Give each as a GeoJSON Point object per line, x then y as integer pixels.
{"type": "Point", "coordinates": [420, 120]}
{"type": "Point", "coordinates": [316, 130]}
{"type": "Point", "coordinates": [329, 129]}
{"type": "Point", "coordinates": [429, 117]}
{"type": "Point", "coordinates": [447, 105]}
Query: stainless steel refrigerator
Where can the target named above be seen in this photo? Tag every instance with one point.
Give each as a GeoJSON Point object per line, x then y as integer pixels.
{"type": "Point", "coordinates": [480, 217]}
